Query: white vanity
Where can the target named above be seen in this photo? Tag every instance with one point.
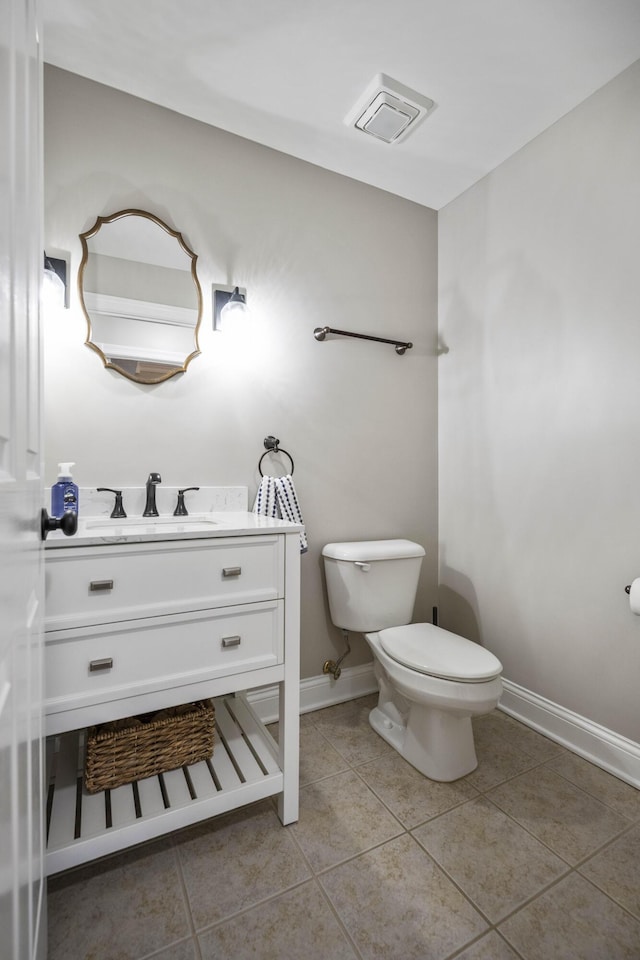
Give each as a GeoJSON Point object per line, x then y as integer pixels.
{"type": "Point", "coordinates": [143, 615]}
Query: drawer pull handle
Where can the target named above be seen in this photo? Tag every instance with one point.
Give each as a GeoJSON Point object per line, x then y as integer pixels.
{"type": "Point", "coordinates": [101, 585]}
{"type": "Point", "coordinates": [231, 571]}
{"type": "Point", "coordinates": [105, 664]}
{"type": "Point", "coordinates": [231, 641]}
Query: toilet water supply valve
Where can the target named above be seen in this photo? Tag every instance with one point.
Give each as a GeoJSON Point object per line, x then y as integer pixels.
{"type": "Point", "coordinates": [333, 666]}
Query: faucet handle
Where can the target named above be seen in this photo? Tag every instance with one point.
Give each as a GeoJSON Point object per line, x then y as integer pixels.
{"type": "Point", "coordinates": [181, 510]}
{"type": "Point", "coordinates": [118, 509]}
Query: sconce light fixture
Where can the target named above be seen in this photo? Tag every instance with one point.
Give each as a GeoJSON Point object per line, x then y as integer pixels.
{"type": "Point", "coordinates": [229, 305]}
{"type": "Point", "coordinates": [55, 282]}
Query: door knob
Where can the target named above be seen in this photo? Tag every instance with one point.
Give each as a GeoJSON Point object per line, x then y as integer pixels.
{"type": "Point", "coordinates": [68, 523]}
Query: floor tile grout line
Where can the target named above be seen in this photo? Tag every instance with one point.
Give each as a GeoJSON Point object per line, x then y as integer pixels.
{"type": "Point", "coordinates": [459, 951]}
{"type": "Point", "coordinates": [518, 954]}
{"type": "Point", "coordinates": [318, 875]}
{"type": "Point", "coordinates": [206, 928]}
{"type": "Point", "coordinates": [526, 829]}
{"type": "Point", "coordinates": [512, 946]}
{"type": "Point", "coordinates": [493, 923]}
{"type": "Point", "coordinates": [509, 778]}
{"type": "Point", "coordinates": [570, 868]}
{"type": "Point", "coordinates": [327, 776]}
{"type": "Point", "coordinates": [556, 773]}
{"type": "Point", "coordinates": [174, 943]}
{"type": "Point", "coordinates": [597, 849]}
{"type": "Point", "coordinates": [185, 893]}
{"type": "Point", "coordinates": [560, 856]}
{"type": "Point", "coordinates": [338, 918]}
{"type": "Point", "coordinates": [272, 803]}
{"type": "Point", "coordinates": [380, 800]}
{"type": "Point", "coordinates": [605, 845]}
{"type": "Point", "coordinates": [576, 872]}
{"type": "Point", "coordinates": [534, 761]}
{"type": "Point", "coordinates": [455, 883]}
{"type": "Point", "coordinates": [313, 879]}
{"type": "Point", "coordinates": [408, 829]}
{"type": "Point", "coordinates": [573, 871]}
{"type": "Point", "coordinates": [300, 849]}
{"type": "Point", "coordinates": [500, 810]}
{"type": "Point", "coordinates": [630, 913]}
{"type": "Point", "coordinates": [598, 797]}
{"type": "Point", "coordinates": [562, 752]}
{"type": "Point", "coordinates": [340, 863]}
{"type": "Point", "coordinates": [504, 736]}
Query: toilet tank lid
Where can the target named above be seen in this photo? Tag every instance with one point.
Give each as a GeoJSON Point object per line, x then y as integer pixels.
{"type": "Point", "coordinates": [366, 550]}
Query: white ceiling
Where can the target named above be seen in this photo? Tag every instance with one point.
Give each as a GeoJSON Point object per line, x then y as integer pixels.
{"type": "Point", "coordinates": [286, 72]}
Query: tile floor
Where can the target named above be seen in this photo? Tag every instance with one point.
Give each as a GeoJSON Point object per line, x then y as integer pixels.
{"type": "Point", "coordinates": [534, 855]}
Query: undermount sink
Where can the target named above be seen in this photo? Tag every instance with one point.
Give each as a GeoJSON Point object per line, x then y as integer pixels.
{"type": "Point", "coordinates": [146, 522]}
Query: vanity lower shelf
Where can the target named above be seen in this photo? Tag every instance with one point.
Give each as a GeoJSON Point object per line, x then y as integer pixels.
{"type": "Point", "coordinates": [82, 826]}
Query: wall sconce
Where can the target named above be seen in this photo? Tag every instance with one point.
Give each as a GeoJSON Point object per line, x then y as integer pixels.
{"type": "Point", "coordinates": [54, 288]}
{"type": "Point", "coordinates": [229, 306]}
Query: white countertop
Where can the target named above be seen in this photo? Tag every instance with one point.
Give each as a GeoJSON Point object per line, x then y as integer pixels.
{"type": "Point", "coordinates": [93, 531]}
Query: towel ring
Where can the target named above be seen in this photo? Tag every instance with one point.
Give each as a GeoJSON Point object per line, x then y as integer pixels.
{"type": "Point", "coordinates": [272, 445]}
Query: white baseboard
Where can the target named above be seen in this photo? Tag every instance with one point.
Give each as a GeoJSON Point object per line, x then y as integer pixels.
{"type": "Point", "coordinates": [606, 749]}
{"type": "Point", "coordinates": [317, 692]}
{"type": "Point", "coordinates": [600, 746]}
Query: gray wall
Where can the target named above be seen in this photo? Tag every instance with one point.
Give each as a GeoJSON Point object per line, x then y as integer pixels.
{"type": "Point", "coordinates": [539, 425]}
{"type": "Point", "coordinates": [312, 248]}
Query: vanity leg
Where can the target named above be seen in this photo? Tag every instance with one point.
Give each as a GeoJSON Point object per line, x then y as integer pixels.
{"type": "Point", "coordinates": [289, 688]}
{"type": "Point", "coordinates": [289, 763]}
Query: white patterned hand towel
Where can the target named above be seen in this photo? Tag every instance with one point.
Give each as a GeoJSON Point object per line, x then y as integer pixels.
{"type": "Point", "coordinates": [276, 497]}
{"type": "Point", "coordinates": [266, 504]}
{"type": "Point", "coordinates": [289, 506]}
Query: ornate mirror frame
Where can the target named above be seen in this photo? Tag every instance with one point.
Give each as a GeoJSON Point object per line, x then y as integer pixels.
{"type": "Point", "coordinates": [163, 371]}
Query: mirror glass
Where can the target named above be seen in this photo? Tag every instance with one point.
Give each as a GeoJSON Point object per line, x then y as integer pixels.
{"type": "Point", "coordinates": [141, 296]}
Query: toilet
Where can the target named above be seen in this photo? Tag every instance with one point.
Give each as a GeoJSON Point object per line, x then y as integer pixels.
{"type": "Point", "coordinates": [432, 682]}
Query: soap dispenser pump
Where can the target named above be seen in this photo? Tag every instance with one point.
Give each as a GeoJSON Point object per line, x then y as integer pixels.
{"type": "Point", "coordinates": [64, 493]}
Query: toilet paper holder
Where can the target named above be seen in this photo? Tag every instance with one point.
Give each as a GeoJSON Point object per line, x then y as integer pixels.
{"type": "Point", "coordinates": [633, 592]}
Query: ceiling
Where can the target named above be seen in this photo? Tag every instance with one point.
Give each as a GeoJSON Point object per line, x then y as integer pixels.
{"type": "Point", "coordinates": [285, 73]}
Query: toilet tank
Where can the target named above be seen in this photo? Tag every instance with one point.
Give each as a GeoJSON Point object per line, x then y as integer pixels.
{"type": "Point", "coordinates": [372, 584]}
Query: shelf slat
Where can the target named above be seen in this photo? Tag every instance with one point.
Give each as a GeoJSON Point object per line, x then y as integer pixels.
{"type": "Point", "coordinates": [123, 809]}
{"type": "Point", "coordinates": [150, 795]}
{"type": "Point", "coordinates": [63, 811]}
{"type": "Point", "coordinates": [254, 733]}
{"type": "Point", "coordinates": [176, 788]}
{"type": "Point", "coordinates": [202, 780]}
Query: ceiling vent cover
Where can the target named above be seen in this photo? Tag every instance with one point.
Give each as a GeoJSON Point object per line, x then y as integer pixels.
{"type": "Point", "coordinates": [388, 110]}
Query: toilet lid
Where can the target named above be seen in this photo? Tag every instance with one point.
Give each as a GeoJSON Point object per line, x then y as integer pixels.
{"type": "Point", "coordinates": [439, 653]}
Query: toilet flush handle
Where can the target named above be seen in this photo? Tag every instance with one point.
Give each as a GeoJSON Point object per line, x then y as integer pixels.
{"type": "Point", "coordinates": [363, 566]}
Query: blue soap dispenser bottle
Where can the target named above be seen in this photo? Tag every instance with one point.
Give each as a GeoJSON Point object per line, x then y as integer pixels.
{"type": "Point", "coordinates": [64, 493]}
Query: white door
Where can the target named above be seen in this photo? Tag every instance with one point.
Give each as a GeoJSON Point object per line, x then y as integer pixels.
{"type": "Point", "coordinates": [22, 899]}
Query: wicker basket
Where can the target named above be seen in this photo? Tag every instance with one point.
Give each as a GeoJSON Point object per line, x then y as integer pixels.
{"type": "Point", "coordinates": [139, 747]}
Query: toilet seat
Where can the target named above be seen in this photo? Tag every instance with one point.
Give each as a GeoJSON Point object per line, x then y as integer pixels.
{"type": "Point", "coordinates": [435, 652]}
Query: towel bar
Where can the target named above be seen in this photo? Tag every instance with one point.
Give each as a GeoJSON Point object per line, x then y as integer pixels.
{"type": "Point", "coordinates": [401, 346]}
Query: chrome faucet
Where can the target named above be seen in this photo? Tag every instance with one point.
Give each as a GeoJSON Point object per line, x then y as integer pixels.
{"type": "Point", "coordinates": [150, 509]}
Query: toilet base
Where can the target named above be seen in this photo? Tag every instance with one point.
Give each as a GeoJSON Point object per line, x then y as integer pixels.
{"type": "Point", "coordinates": [437, 743]}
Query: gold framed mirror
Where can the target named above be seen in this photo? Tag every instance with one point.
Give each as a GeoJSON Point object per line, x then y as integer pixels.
{"type": "Point", "coordinates": [140, 294]}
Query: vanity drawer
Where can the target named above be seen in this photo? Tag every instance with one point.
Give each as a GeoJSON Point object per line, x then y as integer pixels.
{"type": "Point", "coordinates": [133, 581]}
{"type": "Point", "coordinates": [112, 661]}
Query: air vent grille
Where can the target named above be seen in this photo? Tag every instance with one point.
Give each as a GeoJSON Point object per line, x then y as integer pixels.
{"type": "Point", "coordinates": [388, 110]}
